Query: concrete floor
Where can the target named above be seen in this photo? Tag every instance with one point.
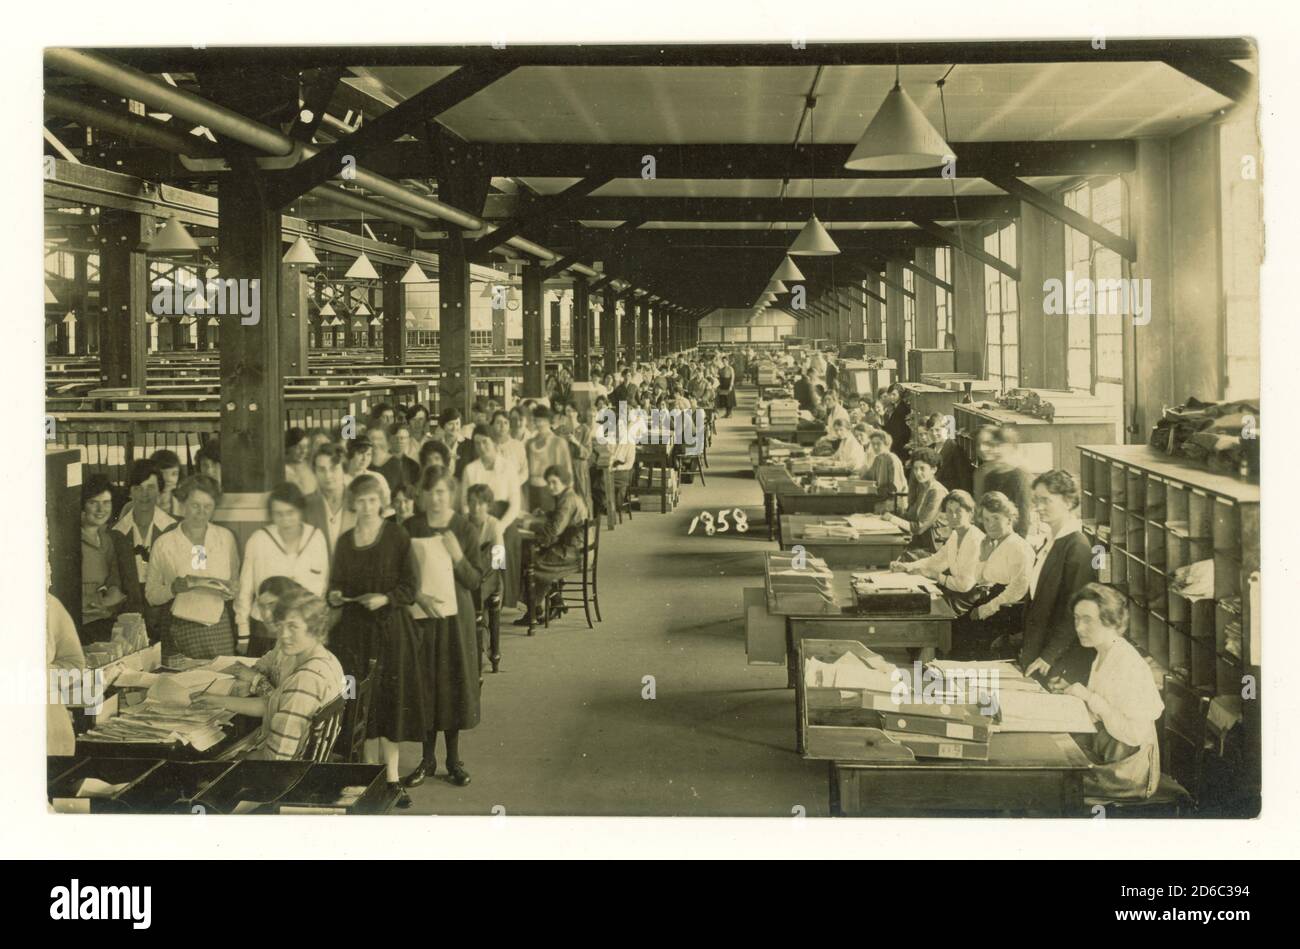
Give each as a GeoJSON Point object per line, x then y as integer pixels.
{"type": "Point", "coordinates": [565, 729]}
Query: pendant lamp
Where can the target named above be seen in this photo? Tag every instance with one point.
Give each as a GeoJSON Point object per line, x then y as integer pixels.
{"type": "Point", "coordinates": [301, 253]}
{"type": "Point", "coordinates": [415, 274]}
{"type": "Point", "coordinates": [787, 271]}
{"type": "Point", "coordinates": [777, 286]}
{"type": "Point", "coordinates": [898, 138]}
{"type": "Point", "coordinates": [172, 238]}
{"type": "Point", "coordinates": [362, 269]}
{"type": "Point", "coordinates": [813, 241]}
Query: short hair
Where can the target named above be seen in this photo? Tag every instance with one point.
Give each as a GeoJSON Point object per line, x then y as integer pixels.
{"type": "Point", "coordinates": [1112, 607]}
{"type": "Point", "coordinates": [293, 436]}
{"type": "Point", "coordinates": [995, 502]}
{"type": "Point", "coordinates": [199, 482]}
{"type": "Point", "coordinates": [315, 612]}
{"type": "Point", "coordinates": [883, 435]}
{"type": "Point", "coordinates": [278, 586]}
{"type": "Point", "coordinates": [415, 410]}
{"type": "Point", "coordinates": [480, 493]}
{"type": "Point", "coordinates": [165, 459]}
{"type": "Point", "coordinates": [331, 452]}
{"type": "Point", "coordinates": [542, 412]}
{"type": "Point", "coordinates": [449, 415]}
{"type": "Point", "coordinates": [399, 426]}
{"type": "Point", "coordinates": [379, 409]}
{"type": "Point", "coordinates": [433, 447]}
{"type": "Point", "coordinates": [94, 486]}
{"type": "Point", "coordinates": [555, 471]}
{"type": "Point", "coordinates": [141, 471]}
{"type": "Point", "coordinates": [367, 484]}
{"type": "Point", "coordinates": [934, 420]}
{"type": "Point", "coordinates": [926, 456]}
{"type": "Point", "coordinates": [960, 498]}
{"type": "Point", "coordinates": [211, 451]}
{"type": "Point", "coordinates": [997, 434]}
{"type": "Point", "coordinates": [500, 412]}
{"type": "Point", "coordinates": [1060, 482]}
{"type": "Point", "coordinates": [357, 446]}
{"type": "Point", "coordinates": [482, 431]}
{"type": "Point", "coordinates": [436, 475]}
{"type": "Point", "coordinates": [286, 492]}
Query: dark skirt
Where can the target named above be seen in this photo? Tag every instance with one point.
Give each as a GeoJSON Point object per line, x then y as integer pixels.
{"type": "Point", "coordinates": [511, 578]}
{"type": "Point", "coordinates": [450, 657]}
{"type": "Point", "coordinates": [260, 639]}
{"type": "Point", "coordinates": [399, 702]}
{"type": "Point", "coordinates": [973, 639]}
{"type": "Point", "coordinates": [727, 400]}
{"type": "Point", "coordinates": [540, 499]}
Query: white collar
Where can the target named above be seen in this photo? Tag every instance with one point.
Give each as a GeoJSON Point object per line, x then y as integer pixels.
{"type": "Point", "coordinates": [1072, 525]}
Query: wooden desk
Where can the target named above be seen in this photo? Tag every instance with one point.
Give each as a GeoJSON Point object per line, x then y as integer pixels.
{"type": "Point", "coordinates": [1028, 775]}
{"type": "Point", "coordinates": [869, 550]}
{"type": "Point", "coordinates": [925, 634]}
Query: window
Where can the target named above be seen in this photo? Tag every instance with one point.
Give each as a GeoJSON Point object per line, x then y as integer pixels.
{"type": "Point", "coordinates": [1095, 341]}
{"type": "Point", "coordinates": [909, 311]}
{"type": "Point", "coordinates": [942, 297]}
{"type": "Point", "coordinates": [1001, 310]}
{"type": "Point", "coordinates": [480, 339]}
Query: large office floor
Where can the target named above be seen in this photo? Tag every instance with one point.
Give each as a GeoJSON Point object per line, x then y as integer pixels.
{"type": "Point", "coordinates": [565, 729]}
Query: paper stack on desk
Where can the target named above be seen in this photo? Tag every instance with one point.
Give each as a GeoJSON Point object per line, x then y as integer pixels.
{"type": "Point", "coordinates": [799, 588]}
{"type": "Point", "coordinates": [871, 524]}
{"type": "Point", "coordinates": [884, 581]}
{"type": "Point", "coordinates": [1024, 711]}
{"type": "Point", "coordinates": [829, 529]}
{"type": "Point", "coordinates": [783, 413]}
{"type": "Point", "coordinates": [154, 722]}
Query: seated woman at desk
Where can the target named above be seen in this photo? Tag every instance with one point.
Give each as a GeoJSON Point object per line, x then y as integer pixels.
{"type": "Point", "coordinates": [994, 609]}
{"type": "Point", "coordinates": [956, 564]}
{"type": "Point", "coordinates": [300, 677]}
{"type": "Point", "coordinates": [560, 535]}
{"type": "Point", "coordinates": [1122, 697]}
{"type": "Point", "coordinates": [194, 574]}
{"type": "Point", "coordinates": [887, 471]}
{"type": "Point", "coordinates": [925, 506]}
{"type": "Point", "coordinates": [849, 452]}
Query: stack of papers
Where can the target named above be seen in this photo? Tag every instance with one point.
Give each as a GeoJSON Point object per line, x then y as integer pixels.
{"type": "Point", "coordinates": [823, 531]}
{"type": "Point", "coordinates": [850, 672]}
{"type": "Point", "coordinates": [1024, 711]}
{"type": "Point", "coordinates": [871, 524]}
{"type": "Point", "coordinates": [153, 721]}
{"type": "Point", "coordinates": [885, 581]}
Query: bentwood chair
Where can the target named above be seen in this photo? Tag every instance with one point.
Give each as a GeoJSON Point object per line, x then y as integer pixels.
{"type": "Point", "coordinates": [357, 717]}
{"type": "Point", "coordinates": [579, 588]}
{"type": "Point", "coordinates": [323, 732]}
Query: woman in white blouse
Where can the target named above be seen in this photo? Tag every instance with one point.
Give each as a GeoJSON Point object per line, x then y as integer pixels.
{"type": "Point", "coordinates": [849, 453]}
{"type": "Point", "coordinates": [194, 573]}
{"type": "Point", "coordinates": [287, 547]}
{"type": "Point", "coordinates": [993, 610]}
{"type": "Point", "coordinates": [955, 566]}
{"type": "Point", "coordinates": [1122, 697]}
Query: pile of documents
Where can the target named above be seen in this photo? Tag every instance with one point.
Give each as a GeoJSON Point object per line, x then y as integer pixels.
{"type": "Point", "coordinates": [883, 581]}
{"type": "Point", "coordinates": [783, 413]}
{"type": "Point", "coordinates": [798, 587]}
{"type": "Point", "coordinates": [155, 722]}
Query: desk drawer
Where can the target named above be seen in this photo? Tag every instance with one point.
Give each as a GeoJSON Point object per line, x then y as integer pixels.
{"type": "Point", "coordinates": [921, 791]}
{"type": "Point", "coordinates": [874, 633]}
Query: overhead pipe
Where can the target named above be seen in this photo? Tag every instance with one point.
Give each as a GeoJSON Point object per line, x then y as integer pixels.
{"type": "Point", "coordinates": [126, 81]}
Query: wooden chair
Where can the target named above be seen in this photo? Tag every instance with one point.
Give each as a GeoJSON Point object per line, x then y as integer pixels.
{"type": "Point", "coordinates": [323, 732]}
{"type": "Point", "coordinates": [624, 495]}
{"type": "Point", "coordinates": [490, 616]}
{"type": "Point", "coordinates": [1182, 757]}
{"type": "Point", "coordinates": [587, 594]}
{"type": "Point", "coordinates": [692, 465]}
{"type": "Point", "coordinates": [357, 717]}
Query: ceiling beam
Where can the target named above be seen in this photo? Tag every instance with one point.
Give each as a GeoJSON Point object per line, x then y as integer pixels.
{"type": "Point", "coordinates": [858, 210]}
{"type": "Point", "coordinates": [162, 59]}
{"type": "Point", "coordinates": [1222, 75]}
{"type": "Point", "coordinates": [422, 107]}
{"type": "Point", "coordinates": [540, 211]}
{"type": "Point", "coordinates": [1050, 206]}
{"type": "Point", "coordinates": [739, 160]}
{"type": "Point", "coordinates": [926, 275]}
{"type": "Point", "coordinates": [953, 239]}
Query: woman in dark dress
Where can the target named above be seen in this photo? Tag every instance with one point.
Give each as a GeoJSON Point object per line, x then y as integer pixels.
{"type": "Point", "coordinates": [994, 446]}
{"type": "Point", "coordinates": [727, 388]}
{"type": "Point", "coordinates": [444, 540]}
{"type": "Point", "coordinates": [374, 581]}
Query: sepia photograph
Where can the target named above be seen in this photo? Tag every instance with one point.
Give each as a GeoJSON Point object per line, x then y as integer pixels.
{"type": "Point", "coordinates": [840, 425]}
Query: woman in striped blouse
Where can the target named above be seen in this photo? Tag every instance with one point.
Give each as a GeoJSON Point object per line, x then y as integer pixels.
{"type": "Point", "coordinates": [299, 677]}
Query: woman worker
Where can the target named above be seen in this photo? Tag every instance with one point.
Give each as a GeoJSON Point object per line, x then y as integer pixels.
{"type": "Point", "coordinates": [109, 582]}
{"type": "Point", "coordinates": [375, 583]}
{"type": "Point", "coordinates": [1061, 569]}
{"type": "Point", "coordinates": [1122, 698]}
{"type": "Point", "coordinates": [194, 575]}
{"type": "Point", "coordinates": [955, 566]}
{"type": "Point", "coordinates": [560, 536]}
{"type": "Point", "coordinates": [299, 677]}
{"type": "Point", "coordinates": [994, 611]}
{"type": "Point", "coordinates": [925, 505]}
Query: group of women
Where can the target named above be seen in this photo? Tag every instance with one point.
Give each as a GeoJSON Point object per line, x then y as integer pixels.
{"type": "Point", "coordinates": [381, 571]}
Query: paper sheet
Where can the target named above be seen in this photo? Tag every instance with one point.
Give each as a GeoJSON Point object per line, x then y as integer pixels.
{"type": "Point", "coordinates": [198, 606]}
{"type": "Point", "coordinates": [1043, 712]}
{"type": "Point", "coordinates": [93, 787]}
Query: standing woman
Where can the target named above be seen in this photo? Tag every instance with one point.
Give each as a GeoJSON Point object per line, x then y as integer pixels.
{"type": "Point", "coordinates": [578, 435]}
{"type": "Point", "coordinates": [1061, 569]}
{"type": "Point", "coordinates": [297, 461]}
{"type": "Point", "coordinates": [194, 573]}
{"type": "Point", "coordinates": [995, 447]}
{"type": "Point", "coordinates": [448, 549]}
{"type": "Point", "coordinates": [109, 583]}
{"type": "Point", "coordinates": [727, 388]}
{"type": "Point", "coordinates": [544, 450]}
{"type": "Point", "coordinates": [286, 547]}
{"type": "Point", "coordinates": [375, 583]}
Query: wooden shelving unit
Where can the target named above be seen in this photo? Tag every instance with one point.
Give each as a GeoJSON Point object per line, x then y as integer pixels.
{"type": "Point", "coordinates": [1153, 515]}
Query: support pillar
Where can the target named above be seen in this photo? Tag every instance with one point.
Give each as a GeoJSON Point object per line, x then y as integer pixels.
{"type": "Point", "coordinates": [295, 290]}
{"type": "Point", "coordinates": [534, 333]}
{"type": "Point", "coordinates": [580, 330]}
{"type": "Point", "coordinates": [555, 327]}
{"type": "Point", "coordinates": [894, 317]}
{"type": "Point", "coordinates": [609, 330]}
{"type": "Point", "coordinates": [643, 328]}
{"type": "Point", "coordinates": [394, 328]}
{"type": "Point", "coordinates": [455, 367]}
{"type": "Point", "coordinates": [123, 299]}
{"type": "Point", "coordinates": [627, 329]}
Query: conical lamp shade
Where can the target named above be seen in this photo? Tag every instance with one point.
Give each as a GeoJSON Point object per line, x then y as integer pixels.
{"type": "Point", "coordinates": [899, 138]}
{"type": "Point", "coordinates": [414, 274]}
{"type": "Point", "coordinates": [486, 292]}
{"type": "Point", "coordinates": [172, 238]}
{"type": "Point", "coordinates": [361, 310]}
{"type": "Point", "coordinates": [301, 253]}
{"type": "Point", "coordinates": [813, 241]}
{"type": "Point", "coordinates": [776, 286]}
{"type": "Point", "coordinates": [787, 271]}
{"type": "Point", "coordinates": [327, 310]}
{"type": "Point", "coordinates": [49, 295]}
{"type": "Point", "coordinates": [362, 269]}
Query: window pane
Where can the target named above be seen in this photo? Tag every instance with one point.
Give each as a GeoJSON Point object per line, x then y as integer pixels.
{"type": "Point", "coordinates": [1080, 330]}
{"type": "Point", "coordinates": [993, 329]}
